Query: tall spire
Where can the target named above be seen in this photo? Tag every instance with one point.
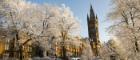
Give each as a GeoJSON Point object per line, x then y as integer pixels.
{"type": "Point", "coordinates": [92, 14]}
{"type": "Point", "coordinates": [93, 31]}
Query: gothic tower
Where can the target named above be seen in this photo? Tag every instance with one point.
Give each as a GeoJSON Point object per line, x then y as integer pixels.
{"type": "Point", "coordinates": [93, 33]}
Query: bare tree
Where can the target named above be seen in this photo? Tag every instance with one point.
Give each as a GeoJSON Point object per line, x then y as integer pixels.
{"type": "Point", "coordinates": [126, 26]}
{"type": "Point", "coordinates": [42, 23]}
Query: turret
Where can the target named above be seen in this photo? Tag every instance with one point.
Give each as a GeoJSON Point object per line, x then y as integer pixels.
{"type": "Point", "coordinates": [87, 18]}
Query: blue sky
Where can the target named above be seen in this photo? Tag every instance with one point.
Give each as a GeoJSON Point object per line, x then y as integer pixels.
{"type": "Point", "coordinates": [80, 8]}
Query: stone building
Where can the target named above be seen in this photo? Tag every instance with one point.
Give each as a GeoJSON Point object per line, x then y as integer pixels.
{"type": "Point", "coordinates": [92, 21]}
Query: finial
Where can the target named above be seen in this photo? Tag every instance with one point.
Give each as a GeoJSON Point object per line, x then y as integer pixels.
{"type": "Point", "coordinates": [90, 2]}
{"type": "Point", "coordinates": [96, 16]}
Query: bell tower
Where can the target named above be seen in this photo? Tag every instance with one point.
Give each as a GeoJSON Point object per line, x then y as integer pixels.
{"type": "Point", "coordinates": [93, 33]}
